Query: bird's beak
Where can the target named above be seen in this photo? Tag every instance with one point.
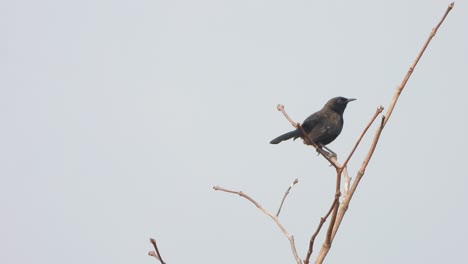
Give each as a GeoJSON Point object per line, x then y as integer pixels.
{"type": "Point", "coordinates": [351, 99]}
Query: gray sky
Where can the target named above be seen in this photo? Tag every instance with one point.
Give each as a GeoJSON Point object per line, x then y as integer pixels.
{"type": "Point", "coordinates": [118, 117]}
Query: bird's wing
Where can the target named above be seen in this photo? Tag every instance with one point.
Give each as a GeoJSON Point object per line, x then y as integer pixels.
{"type": "Point", "coordinates": [316, 128]}
{"type": "Point", "coordinates": [312, 121]}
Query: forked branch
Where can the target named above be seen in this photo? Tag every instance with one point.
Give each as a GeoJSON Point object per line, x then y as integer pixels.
{"type": "Point", "coordinates": [272, 216]}
{"type": "Point", "coordinates": [155, 253]}
{"type": "Point", "coordinates": [344, 205]}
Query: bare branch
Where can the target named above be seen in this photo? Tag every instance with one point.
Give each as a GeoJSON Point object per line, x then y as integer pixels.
{"type": "Point", "coordinates": [156, 254]}
{"type": "Point", "coordinates": [317, 231]}
{"type": "Point", "coordinates": [347, 181]}
{"type": "Point", "coordinates": [344, 205]}
{"type": "Point", "coordinates": [336, 203]}
{"type": "Point", "coordinates": [413, 66]}
{"type": "Point", "coordinates": [286, 194]}
{"type": "Point", "coordinates": [377, 112]}
{"type": "Point", "coordinates": [273, 217]}
{"type": "Point", "coordinates": [280, 108]}
{"type": "Point", "coordinates": [332, 160]}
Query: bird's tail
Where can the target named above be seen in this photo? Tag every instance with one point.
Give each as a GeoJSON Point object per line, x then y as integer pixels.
{"type": "Point", "coordinates": [293, 134]}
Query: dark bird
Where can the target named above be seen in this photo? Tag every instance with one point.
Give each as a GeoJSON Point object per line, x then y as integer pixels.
{"type": "Point", "coordinates": [323, 126]}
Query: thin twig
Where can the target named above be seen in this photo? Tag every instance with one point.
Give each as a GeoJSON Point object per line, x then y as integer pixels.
{"type": "Point", "coordinates": [286, 194]}
{"type": "Point", "coordinates": [344, 205]}
{"type": "Point", "coordinates": [413, 66]}
{"type": "Point", "coordinates": [317, 231]}
{"type": "Point", "coordinates": [377, 112]}
{"type": "Point", "coordinates": [156, 254]}
{"type": "Point", "coordinates": [273, 217]}
{"type": "Point", "coordinates": [153, 254]}
{"type": "Point", "coordinates": [336, 203]}
{"type": "Point", "coordinates": [280, 108]}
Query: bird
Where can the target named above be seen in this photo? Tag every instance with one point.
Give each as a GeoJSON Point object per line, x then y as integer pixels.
{"type": "Point", "coordinates": [323, 126]}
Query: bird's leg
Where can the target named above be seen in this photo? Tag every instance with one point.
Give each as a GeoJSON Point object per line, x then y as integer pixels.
{"type": "Point", "coordinates": [319, 147]}
{"type": "Point", "coordinates": [331, 154]}
{"type": "Point", "coordinates": [326, 151]}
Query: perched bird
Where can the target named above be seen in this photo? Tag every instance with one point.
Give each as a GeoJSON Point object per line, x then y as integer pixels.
{"type": "Point", "coordinates": [323, 126]}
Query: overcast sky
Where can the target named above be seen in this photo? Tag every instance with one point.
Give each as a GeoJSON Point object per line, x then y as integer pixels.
{"type": "Point", "coordinates": [118, 117]}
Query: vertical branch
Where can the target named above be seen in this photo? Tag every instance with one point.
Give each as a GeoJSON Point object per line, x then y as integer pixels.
{"type": "Point", "coordinates": [344, 206]}
{"type": "Point", "coordinates": [328, 238]}
{"type": "Point", "coordinates": [312, 239]}
{"type": "Point", "coordinates": [347, 199]}
{"type": "Point", "coordinates": [335, 205]}
{"type": "Point", "coordinates": [347, 181]}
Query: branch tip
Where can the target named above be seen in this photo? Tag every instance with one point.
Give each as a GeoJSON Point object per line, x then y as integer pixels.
{"type": "Point", "coordinates": [156, 253]}
{"type": "Point", "coordinates": [286, 194]}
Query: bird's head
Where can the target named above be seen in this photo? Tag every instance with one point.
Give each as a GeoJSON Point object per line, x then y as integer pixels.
{"type": "Point", "coordinates": [338, 104]}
